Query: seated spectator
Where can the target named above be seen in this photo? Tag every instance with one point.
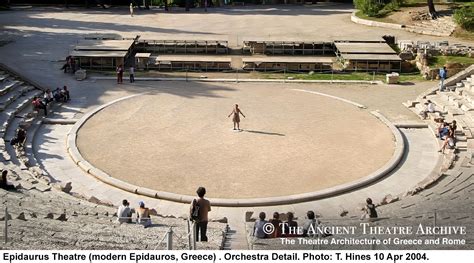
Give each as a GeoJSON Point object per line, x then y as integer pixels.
{"type": "Point", "coordinates": [143, 215]}
{"type": "Point", "coordinates": [453, 125]}
{"type": "Point", "coordinates": [290, 227]}
{"type": "Point", "coordinates": [39, 105]}
{"type": "Point", "coordinates": [369, 209]}
{"type": "Point", "coordinates": [65, 94]}
{"type": "Point", "coordinates": [124, 214]}
{"type": "Point", "coordinates": [449, 142]}
{"type": "Point", "coordinates": [443, 130]}
{"type": "Point", "coordinates": [19, 139]}
{"type": "Point", "coordinates": [4, 181]}
{"type": "Point", "coordinates": [258, 230]}
{"type": "Point", "coordinates": [48, 96]}
{"type": "Point", "coordinates": [276, 222]}
{"type": "Point", "coordinates": [58, 95]}
{"type": "Point", "coordinates": [429, 107]}
{"type": "Point", "coordinates": [310, 226]}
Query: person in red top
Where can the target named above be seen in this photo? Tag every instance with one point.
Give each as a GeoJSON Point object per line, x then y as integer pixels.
{"type": "Point", "coordinates": [38, 105]}
{"type": "Point", "coordinates": [119, 74]}
{"type": "Point", "coordinates": [277, 223]}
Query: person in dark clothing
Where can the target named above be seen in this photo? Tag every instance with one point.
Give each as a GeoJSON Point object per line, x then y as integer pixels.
{"type": "Point", "coordinates": [276, 222]}
{"type": "Point", "coordinates": [67, 64]}
{"type": "Point", "coordinates": [4, 181]}
{"type": "Point", "coordinates": [290, 227]}
{"type": "Point", "coordinates": [203, 207]}
{"type": "Point", "coordinates": [370, 209]}
{"type": "Point", "coordinates": [20, 138]}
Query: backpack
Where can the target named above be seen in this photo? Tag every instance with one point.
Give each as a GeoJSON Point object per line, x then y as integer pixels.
{"type": "Point", "coordinates": [195, 211]}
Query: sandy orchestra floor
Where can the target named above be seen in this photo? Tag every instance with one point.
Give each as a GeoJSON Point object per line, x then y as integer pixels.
{"type": "Point", "coordinates": [292, 142]}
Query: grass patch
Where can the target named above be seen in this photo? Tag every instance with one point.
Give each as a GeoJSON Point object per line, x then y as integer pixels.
{"type": "Point", "coordinates": [366, 76]}
{"type": "Point", "coordinates": [381, 18]}
{"type": "Point", "coordinates": [440, 61]}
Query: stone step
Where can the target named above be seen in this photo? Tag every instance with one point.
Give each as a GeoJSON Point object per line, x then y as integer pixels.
{"type": "Point", "coordinates": [4, 76]}
{"type": "Point", "coordinates": [11, 96]}
{"type": "Point", "coordinates": [421, 30]}
{"type": "Point", "coordinates": [15, 107]}
{"type": "Point", "coordinates": [9, 85]}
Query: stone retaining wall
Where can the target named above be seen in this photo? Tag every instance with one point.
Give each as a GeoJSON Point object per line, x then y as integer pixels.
{"type": "Point", "coordinates": [366, 22]}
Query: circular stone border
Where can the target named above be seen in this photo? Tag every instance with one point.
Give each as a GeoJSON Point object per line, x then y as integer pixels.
{"type": "Point", "coordinates": [266, 201]}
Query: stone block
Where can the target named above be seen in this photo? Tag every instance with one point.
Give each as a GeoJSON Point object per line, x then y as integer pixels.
{"type": "Point", "coordinates": [49, 216]}
{"type": "Point", "coordinates": [21, 216]}
{"type": "Point", "coordinates": [81, 74]}
{"type": "Point", "coordinates": [9, 217]}
{"type": "Point", "coordinates": [220, 220]}
{"type": "Point", "coordinates": [392, 78]}
{"type": "Point", "coordinates": [65, 187]}
{"type": "Point", "coordinates": [389, 199]}
{"type": "Point", "coordinates": [62, 217]}
{"type": "Point", "coordinates": [248, 216]}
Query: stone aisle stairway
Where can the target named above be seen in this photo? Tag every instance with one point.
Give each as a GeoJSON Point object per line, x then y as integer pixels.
{"type": "Point", "coordinates": [443, 26]}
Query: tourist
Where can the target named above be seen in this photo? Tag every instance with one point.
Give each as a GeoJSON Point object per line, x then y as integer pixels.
{"type": "Point", "coordinates": [236, 118]}
{"type": "Point", "coordinates": [453, 125]}
{"type": "Point", "coordinates": [19, 139]}
{"type": "Point", "coordinates": [65, 94]}
{"type": "Point", "coordinates": [310, 226]}
{"type": "Point", "coordinates": [443, 130]}
{"type": "Point", "coordinates": [73, 65]}
{"type": "Point", "coordinates": [119, 74]}
{"type": "Point", "coordinates": [67, 64]}
{"type": "Point", "coordinates": [258, 228]}
{"type": "Point", "coordinates": [143, 215]}
{"type": "Point", "coordinates": [48, 96]}
{"type": "Point", "coordinates": [131, 9]}
{"type": "Point", "coordinates": [276, 222]}
{"type": "Point", "coordinates": [429, 107]}
{"type": "Point", "coordinates": [443, 74]}
{"type": "Point", "coordinates": [39, 105]}
{"type": "Point", "coordinates": [132, 74]}
{"type": "Point", "coordinates": [124, 213]}
{"type": "Point", "coordinates": [58, 95]}
{"type": "Point", "coordinates": [369, 209]}
{"type": "Point", "coordinates": [449, 142]}
{"type": "Point", "coordinates": [202, 207]}
{"type": "Point", "coordinates": [290, 227]}
{"type": "Point", "coordinates": [4, 181]}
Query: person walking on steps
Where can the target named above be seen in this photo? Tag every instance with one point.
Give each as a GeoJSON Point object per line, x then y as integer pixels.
{"type": "Point", "coordinates": [236, 116]}
{"type": "Point", "coordinates": [443, 74]}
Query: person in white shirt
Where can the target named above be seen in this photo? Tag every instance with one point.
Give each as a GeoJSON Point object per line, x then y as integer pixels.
{"type": "Point", "coordinates": [430, 107]}
{"type": "Point", "coordinates": [48, 96]}
{"type": "Point", "coordinates": [124, 214]}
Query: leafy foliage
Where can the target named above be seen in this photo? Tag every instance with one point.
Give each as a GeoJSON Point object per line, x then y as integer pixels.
{"type": "Point", "coordinates": [377, 8]}
{"type": "Point", "coordinates": [369, 7]}
{"type": "Point", "coordinates": [464, 16]}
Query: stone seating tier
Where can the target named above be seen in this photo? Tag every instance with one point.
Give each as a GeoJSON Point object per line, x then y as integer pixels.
{"type": "Point", "coordinates": [44, 217]}
{"type": "Point", "coordinates": [56, 220]}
